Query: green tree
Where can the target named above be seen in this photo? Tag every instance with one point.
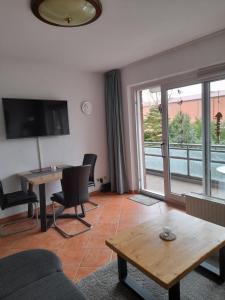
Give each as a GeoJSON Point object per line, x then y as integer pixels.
{"type": "Point", "coordinates": [181, 130]}
{"type": "Point", "coordinates": [197, 125]}
{"type": "Point", "coordinates": [213, 132]}
{"type": "Point", "coordinates": [198, 132]}
{"type": "Point", "coordinates": [153, 125]}
{"type": "Point", "coordinates": [214, 139]}
{"type": "Point", "coordinates": [222, 135]}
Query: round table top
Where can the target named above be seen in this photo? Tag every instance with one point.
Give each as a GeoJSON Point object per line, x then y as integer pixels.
{"type": "Point", "coordinates": [221, 169]}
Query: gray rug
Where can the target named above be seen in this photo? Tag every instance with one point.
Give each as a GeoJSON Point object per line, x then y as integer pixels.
{"type": "Point", "coordinates": [144, 199]}
{"type": "Point", "coordinates": [103, 285]}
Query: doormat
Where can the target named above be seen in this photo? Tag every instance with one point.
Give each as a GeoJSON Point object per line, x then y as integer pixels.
{"type": "Point", "coordinates": [144, 199]}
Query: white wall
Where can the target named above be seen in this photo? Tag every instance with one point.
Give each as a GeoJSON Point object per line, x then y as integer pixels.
{"type": "Point", "coordinates": [192, 56]}
{"type": "Point", "coordinates": [87, 133]}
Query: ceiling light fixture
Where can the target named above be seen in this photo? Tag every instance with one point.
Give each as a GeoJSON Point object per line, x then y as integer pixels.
{"type": "Point", "coordinates": [67, 13]}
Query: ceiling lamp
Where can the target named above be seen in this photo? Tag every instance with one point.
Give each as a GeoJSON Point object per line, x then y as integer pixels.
{"type": "Point", "coordinates": [67, 13]}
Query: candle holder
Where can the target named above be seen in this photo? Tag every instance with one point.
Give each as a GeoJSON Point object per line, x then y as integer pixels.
{"type": "Point", "coordinates": [167, 234]}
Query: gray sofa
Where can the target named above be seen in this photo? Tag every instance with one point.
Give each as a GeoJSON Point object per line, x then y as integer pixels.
{"type": "Point", "coordinates": [34, 275]}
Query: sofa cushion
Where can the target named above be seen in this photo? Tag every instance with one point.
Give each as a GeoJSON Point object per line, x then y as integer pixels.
{"type": "Point", "coordinates": [53, 287]}
{"type": "Point", "coordinates": [22, 269]}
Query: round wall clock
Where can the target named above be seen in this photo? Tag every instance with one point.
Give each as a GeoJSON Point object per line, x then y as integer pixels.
{"type": "Point", "coordinates": [86, 107]}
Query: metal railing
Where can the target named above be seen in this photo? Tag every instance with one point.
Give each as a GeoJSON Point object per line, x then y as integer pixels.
{"type": "Point", "coordinates": [185, 152]}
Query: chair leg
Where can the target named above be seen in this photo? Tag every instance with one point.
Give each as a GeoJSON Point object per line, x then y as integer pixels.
{"type": "Point", "coordinates": [95, 205]}
{"type": "Point", "coordinates": [63, 232]}
{"type": "Point", "coordinates": [21, 220]}
{"type": "Point", "coordinates": [80, 219]}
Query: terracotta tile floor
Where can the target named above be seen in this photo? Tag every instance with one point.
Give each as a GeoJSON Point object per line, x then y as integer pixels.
{"type": "Point", "coordinates": [83, 254]}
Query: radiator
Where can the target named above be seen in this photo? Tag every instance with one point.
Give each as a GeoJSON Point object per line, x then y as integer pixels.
{"type": "Point", "coordinates": [206, 208]}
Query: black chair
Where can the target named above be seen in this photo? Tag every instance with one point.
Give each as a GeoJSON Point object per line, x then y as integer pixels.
{"type": "Point", "coordinates": [74, 193]}
{"type": "Point", "coordinates": [90, 159]}
{"type": "Point", "coordinates": [14, 199]}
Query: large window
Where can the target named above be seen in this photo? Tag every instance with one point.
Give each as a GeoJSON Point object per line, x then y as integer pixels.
{"type": "Point", "coordinates": [185, 138]}
{"type": "Point", "coordinates": [217, 138]}
{"type": "Point", "coordinates": [181, 145]}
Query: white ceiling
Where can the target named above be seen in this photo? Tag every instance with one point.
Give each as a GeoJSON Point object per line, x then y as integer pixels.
{"type": "Point", "coordinates": [128, 30]}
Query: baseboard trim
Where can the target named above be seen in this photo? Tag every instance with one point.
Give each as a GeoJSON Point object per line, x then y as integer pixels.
{"type": "Point", "coordinates": [95, 193]}
{"type": "Point", "coordinates": [13, 217]}
{"type": "Point", "coordinates": [176, 204]}
{"type": "Point", "coordinates": [133, 192]}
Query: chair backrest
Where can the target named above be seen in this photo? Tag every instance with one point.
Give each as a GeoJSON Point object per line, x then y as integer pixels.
{"type": "Point", "coordinates": [75, 185]}
{"type": "Point", "coordinates": [90, 159]}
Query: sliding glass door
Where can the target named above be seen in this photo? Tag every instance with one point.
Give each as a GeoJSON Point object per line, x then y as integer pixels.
{"type": "Point", "coordinates": [181, 139]}
{"type": "Point", "coordinates": [150, 141]}
{"type": "Point", "coordinates": [185, 164]}
{"type": "Point", "coordinates": [217, 139]}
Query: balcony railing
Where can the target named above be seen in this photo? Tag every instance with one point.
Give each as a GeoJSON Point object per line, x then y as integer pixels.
{"type": "Point", "coordinates": [185, 160]}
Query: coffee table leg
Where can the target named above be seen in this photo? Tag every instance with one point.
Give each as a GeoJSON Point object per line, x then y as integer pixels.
{"type": "Point", "coordinates": [122, 268]}
{"type": "Point", "coordinates": [174, 292]}
{"type": "Point", "coordinates": [222, 263]}
{"type": "Point", "coordinates": [218, 272]}
{"type": "Point", "coordinates": [128, 281]}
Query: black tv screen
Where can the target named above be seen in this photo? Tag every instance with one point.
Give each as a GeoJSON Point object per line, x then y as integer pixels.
{"type": "Point", "coordinates": [34, 118]}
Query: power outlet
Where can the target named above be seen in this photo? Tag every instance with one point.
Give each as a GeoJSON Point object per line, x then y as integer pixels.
{"type": "Point", "coordinates": [101, 180]}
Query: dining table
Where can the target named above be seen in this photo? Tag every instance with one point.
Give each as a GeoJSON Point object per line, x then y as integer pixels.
{"type": "Point", "coordinates": [41, 177]}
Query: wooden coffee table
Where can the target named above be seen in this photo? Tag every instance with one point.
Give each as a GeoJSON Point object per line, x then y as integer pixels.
{"type": "Point", "coordinates": [168, 262]}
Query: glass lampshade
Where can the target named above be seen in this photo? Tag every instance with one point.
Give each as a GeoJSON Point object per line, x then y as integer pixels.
{"type": "Point", "coordinates": [67, 13]}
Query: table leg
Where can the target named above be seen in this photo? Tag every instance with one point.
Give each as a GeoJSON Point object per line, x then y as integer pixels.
{"type": "Point", "coordinates": [174, 292]}
{"type": "Point", "coordinates": [30, 206]}
{"type": "Point", "coordinates": [215, 272]}
{"type": "Point", "coordinates": [122, 269]}
{"type": "Point", "coordinates": [222, 263]}
{"type": "Point", "coordinates": [131, 283]}
{"type": "Point", "coordinates": [43, 207]}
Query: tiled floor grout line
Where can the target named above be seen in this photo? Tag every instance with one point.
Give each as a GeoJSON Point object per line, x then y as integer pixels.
{"type": "Point", "coordinates": [75, 275]}
{"type": "Point", "coordinates": [117, 227]}
{"type": "Point", "coordinates": [87, 251]}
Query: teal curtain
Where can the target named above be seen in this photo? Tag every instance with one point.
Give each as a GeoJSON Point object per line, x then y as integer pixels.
{"type": "Point", "coordinates": [115, 132]}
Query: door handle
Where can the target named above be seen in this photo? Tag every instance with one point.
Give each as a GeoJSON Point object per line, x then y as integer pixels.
{"type": "Point", "coordinates": [162, 149]}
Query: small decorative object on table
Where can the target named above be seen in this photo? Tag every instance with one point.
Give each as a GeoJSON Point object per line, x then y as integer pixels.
{"type": "Point", "coordinates": [167, 234]}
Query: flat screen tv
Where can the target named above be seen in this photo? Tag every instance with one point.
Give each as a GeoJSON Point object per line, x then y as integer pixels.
{"type": "Point", "coordinates": [35, 118]}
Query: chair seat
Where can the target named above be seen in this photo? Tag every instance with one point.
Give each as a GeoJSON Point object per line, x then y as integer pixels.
{"type": "Point", "coordinates": [18, 198]}
{"type": "Point", "coordinates": [58, 197]}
